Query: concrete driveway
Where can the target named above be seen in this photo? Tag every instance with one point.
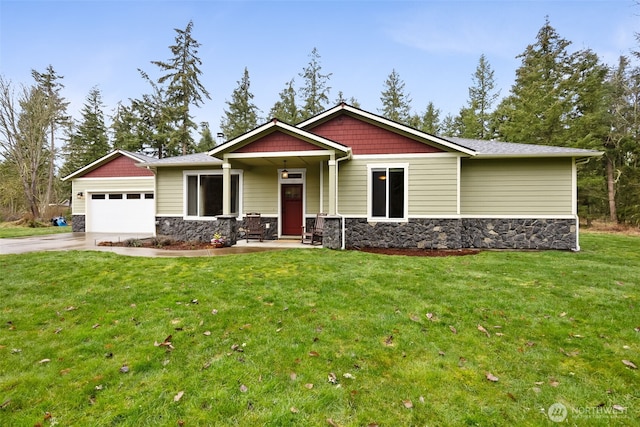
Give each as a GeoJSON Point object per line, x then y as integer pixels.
{"type": "Point", "coordinates": [90, 241]}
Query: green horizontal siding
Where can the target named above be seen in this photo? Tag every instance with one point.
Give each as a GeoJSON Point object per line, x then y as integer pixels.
{"type": "Point", "coordinates": [170, 184]}
{"type": "Point", "coordinates": [432, 185]}
{"type": "Point", "coordinates": [261, 191]}
{"type": "Point", "coordinates": [516, 187]}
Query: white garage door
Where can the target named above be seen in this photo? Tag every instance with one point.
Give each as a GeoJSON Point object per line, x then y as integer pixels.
{"type": "Point", "coordinates": [126, 212]}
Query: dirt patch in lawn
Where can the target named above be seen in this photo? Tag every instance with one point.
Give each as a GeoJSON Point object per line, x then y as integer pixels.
{"type": "Point", "coordinates": [420, 252]}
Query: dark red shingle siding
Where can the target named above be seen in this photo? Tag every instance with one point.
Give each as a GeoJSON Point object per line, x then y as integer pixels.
{"type": "Point", "coordinates": [277, 141]}
{"type": "Point", "coordinates": [121, 166]}
{"type": "Point", "coordinates": [365, 138]}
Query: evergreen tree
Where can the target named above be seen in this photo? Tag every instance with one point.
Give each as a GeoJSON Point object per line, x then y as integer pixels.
{"type": "Point", "coordinates": [430, 122]}
{"type": "Point", "coordinates": [315, 92]}
{"type": "Point", "coordinates": [396, 105]}
{"type": "Point", "coordinates": [475, 118]}
{"type": "Point", "coordinates": [206, 142]}
{"type": "Point", "coordinates": [351, 101]}
{"type": "Point", "coordinates": [540, 99]}
{"type": "Point", "coordinates": [448, 126]}
{"type": "Point", "coordinates": [184, 87]}
{"type": "Point", "coordinates": [286, 108]}
{"type": "Point", "coordinates": [88, 141]}
{"type": "Point", "coordinates": [124, 129]}
{"type": "Point", "coordinates": [155, 122]}
{"type": "Point", "coordinates": [242, 114]}
{"type": "Point", "coordinates": [49, 83]}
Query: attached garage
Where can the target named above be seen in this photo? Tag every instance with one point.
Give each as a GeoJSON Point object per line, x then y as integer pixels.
{"type": "Point", "coordinates": [120, 212]}
{"type": "Point", "coordinates": [114, 195]}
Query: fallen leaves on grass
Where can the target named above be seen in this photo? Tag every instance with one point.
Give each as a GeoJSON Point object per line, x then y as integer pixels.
{"type": "Point", "coordinates": [570, 353]}
{"type": "Point", "coordinates": [166, 343]}
{"type": "Point", "coordinates": [619, 408]}
{"type": "Point", "coordinates": [432, 317]}
{"type": "Point", "coordinates": [44, 361]}
{"type": "Point", "coordinates": [124, 369]}
{"type": "Point", "coordinates": [294, 410]}
{"type": "Point", "coordinates": [243, 388]}
{"type": "Point", "coordinates": [178, 396]}
{"type": "Point", "coordinates": [308, 386]}
{"type": "Point", "coordinates": [313, 354]}
{"type": "Point", "coordinates": [630, 364]}
{"type": "Point", "coordinates": [5, 404]}
{"type": "Point", "coordinates": [332, 378]}
{"type": "Point", "coordinates": [407, 403]}
{"type": "Point", "coordinates": [491, 377]}
{"type": "Point", "coordinates": [452, 329]}
{"type": "Point", "coordinates": [483, 330]}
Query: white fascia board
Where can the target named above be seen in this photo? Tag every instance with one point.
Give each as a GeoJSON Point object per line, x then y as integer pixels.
{"type": "Point", "coordinates": [537, 155]}
{"type": "Point", "coordinates": [309, 153]}
{"type": "Point", "coordinates": [291, 130]}
{"type": "Point", "coordinates": [403, 156]}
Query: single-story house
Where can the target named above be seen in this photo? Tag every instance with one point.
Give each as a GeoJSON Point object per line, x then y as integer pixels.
{"type": "Point", "coordinates": [381, 184]}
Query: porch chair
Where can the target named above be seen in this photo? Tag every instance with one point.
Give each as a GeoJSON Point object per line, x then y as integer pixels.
{"type": "Point", "coordinates": [315, 234]}
{"type": "Point", "coordinates": [253, 227]}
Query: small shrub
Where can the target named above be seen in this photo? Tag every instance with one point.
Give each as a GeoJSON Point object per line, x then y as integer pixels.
{"type": "Point", "coordinates": [132, 243]}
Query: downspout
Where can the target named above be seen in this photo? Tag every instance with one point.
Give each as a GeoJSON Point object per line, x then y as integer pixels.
{"type": "Point", "coordinates": [348, 156]}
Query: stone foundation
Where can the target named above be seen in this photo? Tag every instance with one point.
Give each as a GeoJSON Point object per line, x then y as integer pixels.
{"type": "Point", "coordinates": [78, 223]}
{"type": "Point", "coordinates": [520, 234]}
{"type": "Point", "coordinates": [196, 230]}
{"type": "Point", "coordinates": [463, 233]}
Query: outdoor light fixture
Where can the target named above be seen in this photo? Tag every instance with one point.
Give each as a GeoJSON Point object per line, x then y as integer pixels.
{"type": "Point", "coordinates": [80, 195]}
{"type": "Point", "coordinates": [285, 173]}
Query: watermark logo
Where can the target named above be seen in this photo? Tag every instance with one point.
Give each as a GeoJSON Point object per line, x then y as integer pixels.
{"type": "Point", "coordinates": [557, 412]}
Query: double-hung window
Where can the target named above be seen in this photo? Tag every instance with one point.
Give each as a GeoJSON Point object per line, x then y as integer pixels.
{"type": "Point", "coordinates": [204, 194]}
{"type": "Point", "coordinates": [388, 192]}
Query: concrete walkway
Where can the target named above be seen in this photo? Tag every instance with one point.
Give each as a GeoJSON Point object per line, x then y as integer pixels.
{"type": "Point", "coordinates": [90, 242]}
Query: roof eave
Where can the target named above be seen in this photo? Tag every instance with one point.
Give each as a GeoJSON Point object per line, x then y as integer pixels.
{"type": "Point", "coordinates": [539, 155]}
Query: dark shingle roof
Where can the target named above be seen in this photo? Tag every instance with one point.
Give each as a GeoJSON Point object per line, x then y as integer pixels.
{"type": "Point", "coordinates": [512, 149]}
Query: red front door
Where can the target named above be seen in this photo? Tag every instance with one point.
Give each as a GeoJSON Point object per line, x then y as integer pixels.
{"type": "Point", "coordinates": [291, 196]}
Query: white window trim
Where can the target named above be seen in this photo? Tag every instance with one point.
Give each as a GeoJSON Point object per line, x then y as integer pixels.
{"type": "Point", "coordinates": [185, 192]}
{"type": "Point", "coordinates": [370, 168]}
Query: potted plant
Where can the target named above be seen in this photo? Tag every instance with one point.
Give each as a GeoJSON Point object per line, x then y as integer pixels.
{"type": "Point", "coordinates": [218, 241]}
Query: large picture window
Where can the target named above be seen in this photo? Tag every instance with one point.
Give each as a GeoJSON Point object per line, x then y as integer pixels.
{"type": "Point", "coordinates": [388, 192]}
{"type": "Point", "coordinates": [204, 194]}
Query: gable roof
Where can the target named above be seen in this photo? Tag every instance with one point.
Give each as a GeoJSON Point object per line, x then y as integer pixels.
{"type": "Point", "coordinates": [344, 108]}
{"type": "Point", "coordinates": [136, 157]}
{"type": "Point", "coordinates": [273, 126]}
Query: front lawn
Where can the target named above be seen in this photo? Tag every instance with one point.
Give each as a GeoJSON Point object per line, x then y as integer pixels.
{"type": "Point", "coordinates": [8, 230]}
{"type": "Point", "coordinates": [322, 338]}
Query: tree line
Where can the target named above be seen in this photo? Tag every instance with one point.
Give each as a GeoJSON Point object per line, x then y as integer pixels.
{"type": "Point", "coordinates": [559, 97]}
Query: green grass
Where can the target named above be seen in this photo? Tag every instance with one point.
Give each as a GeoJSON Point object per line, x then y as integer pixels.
{"type": "Point", "coordinates": [567, 321]}
{"type": "Point", "coordinates": [9, 231]}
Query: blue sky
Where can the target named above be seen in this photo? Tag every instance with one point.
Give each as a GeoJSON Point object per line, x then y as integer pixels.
{"type": "Point", "coordinates": [433, 45]}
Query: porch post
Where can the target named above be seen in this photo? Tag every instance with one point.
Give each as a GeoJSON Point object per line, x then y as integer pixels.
{"type": "Point", "coordinates": [332, 185]}
{"type": "Point", "coordinates": [226, 188]}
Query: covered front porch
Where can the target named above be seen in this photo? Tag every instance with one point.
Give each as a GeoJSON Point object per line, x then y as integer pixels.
{"type": "Point", "coordinates": [285, 174]}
